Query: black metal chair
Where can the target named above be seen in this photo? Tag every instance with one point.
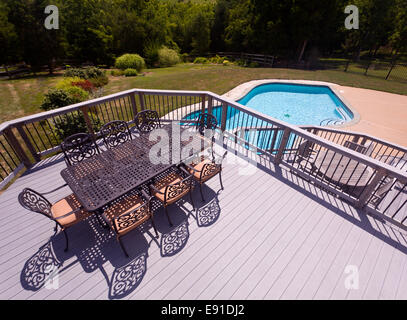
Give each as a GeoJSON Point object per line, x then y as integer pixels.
{"type": "Point", "coordinates": [65, 212]}
{"type": "Point", "coordinates": [129, 212]}
{"type": "Point", "coordinates": [206, 121]}
{"type": "Point", "coordinates": [205, 169]}
{"type": "Point", "coordinates": [115, 133]}
{"type": "Point", "coordinates": [147, 120]}
{"type": "Point", "coordinates": [79, 147]}
{"type": "Point", "coordinates": [171, 187]}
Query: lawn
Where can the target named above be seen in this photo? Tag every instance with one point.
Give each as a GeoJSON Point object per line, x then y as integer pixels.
{"type": "Point", "coordinates": [23, 96]}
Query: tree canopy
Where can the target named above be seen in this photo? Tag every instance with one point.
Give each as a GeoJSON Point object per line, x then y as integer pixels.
{"type": "Point", "coordinates": [101, 30]}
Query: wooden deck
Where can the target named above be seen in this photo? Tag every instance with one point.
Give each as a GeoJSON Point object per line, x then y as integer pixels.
{"type": "Point", "coordinates": [268, 235]}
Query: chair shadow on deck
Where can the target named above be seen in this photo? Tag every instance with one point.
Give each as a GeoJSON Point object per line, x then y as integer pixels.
{"type": "Point", "coordinates": [92, 246]}
{"type": "Point", "coordinates": [375, 225]}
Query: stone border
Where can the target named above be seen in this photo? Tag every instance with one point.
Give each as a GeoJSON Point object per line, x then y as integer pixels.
{"type": "Point", "coordinates": [243, 89]}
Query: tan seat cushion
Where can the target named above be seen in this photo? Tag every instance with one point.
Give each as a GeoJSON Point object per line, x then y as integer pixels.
{"type": "Point", "coordinates": [172, 196]}
{"type": "Point", "coordinates": [199, 166]}
{"type": "Point", "coordinates": [124, 206]}
{"type": "Point", "coordinates": [66, 205]}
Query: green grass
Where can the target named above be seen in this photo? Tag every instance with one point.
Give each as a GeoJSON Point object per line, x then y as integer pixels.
{"type": "Point", "coordinates": [23, 96]}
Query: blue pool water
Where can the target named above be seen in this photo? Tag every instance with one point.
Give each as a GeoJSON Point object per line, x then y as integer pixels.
{"type": "Point", "coordinates": [295, 104]}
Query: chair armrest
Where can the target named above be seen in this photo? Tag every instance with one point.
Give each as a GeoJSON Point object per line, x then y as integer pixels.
{"type": "Point", "coordinates": [69, 213]}
{"type": "Point", "coordinates": [185, 171]}
{"type": "Point", "coordinates": [60, 187]}
{"type": "Point", "coordinates": [146, 196]}
{"type": "Point", "coordinates": [151, 186]}
{"type": "Point", "coordinates": [190, 167]}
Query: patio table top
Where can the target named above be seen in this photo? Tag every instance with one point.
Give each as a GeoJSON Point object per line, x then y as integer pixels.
{"type": "Point", "coordinates": [105, 177]}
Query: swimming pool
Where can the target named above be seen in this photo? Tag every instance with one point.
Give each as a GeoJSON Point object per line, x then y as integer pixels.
{"type": "Point", "coordinates": [292, 103]}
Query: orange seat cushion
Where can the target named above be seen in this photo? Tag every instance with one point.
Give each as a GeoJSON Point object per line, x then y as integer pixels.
{"type": "Point", "coordinates": [206, 175]}
{"type": "Point", "coordinates": [124, 206]}
{"type": "Point", "coordinates": [172, 195]}
{"type": "Point", "coordinates": [66, 205]}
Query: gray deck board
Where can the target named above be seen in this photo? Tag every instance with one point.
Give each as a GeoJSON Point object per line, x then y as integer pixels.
{"type": "Point", "coordinates": [276, 237]}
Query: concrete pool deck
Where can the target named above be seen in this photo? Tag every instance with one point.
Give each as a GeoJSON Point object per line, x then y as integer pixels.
{"type": "Point", "coordinates": [379, 114]}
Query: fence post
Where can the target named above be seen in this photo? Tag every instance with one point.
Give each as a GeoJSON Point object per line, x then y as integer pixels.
{"type": "Point", "coordinates": [141, 97]}
{"type": "Point", "coordinates": [84, 111]}
{"type": "Point", "coordinates": [203, 96]}
{"type": "Point", "coordinates": [365, 196]}
{"type": "Point", "coordinates": [133, 104]}
{"type": "Point", "coordinates": [17, 147]}
{"type": "Point", "coordinates": [210, 104]}
{"type": "Point", "coordinates": [224, 115]}
{"type": "Point", "coordinates": [284, 140]}
{"type": "Point", "coordinates": [391, 69]}
{"type": "Point", "coordinates": [28, 142]}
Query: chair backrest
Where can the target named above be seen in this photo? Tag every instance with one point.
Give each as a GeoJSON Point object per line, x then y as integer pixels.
{"type": "Point", "coordinates": [115, 133]}
{"type": "Point", "coordinates": [34, 201]}
{"type": "Point", "coordinates": [209, 169]}
{"type": "Point", "coordinates": [206, 121]}
{"type": "Point", "coordinates": [147, 120]}
{"type": "Point", "coordinates": [173, 190]}
{"type": "Point", "coordinates": [78, 147]}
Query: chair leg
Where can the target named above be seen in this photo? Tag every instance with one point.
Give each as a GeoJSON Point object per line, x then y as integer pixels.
{"type": "Point", "coordinates": [104, 225]}
{"type": "Point", "coordinates": [192, 201]}
{"type": "Point", "coordinates": [56, 227]}
{"type": "Point", "coordinates": [122, 246]}
{"type": "Point", "coordinates": [168, 216]}
{"type": "Point", "coordinates": [220, 179]}
{"type": "Point", "coordinates": [200, 190]}
{"type": "Point", "coordinates": [154, 227]}
{"type": "Point", "coordinates": [66, 240]}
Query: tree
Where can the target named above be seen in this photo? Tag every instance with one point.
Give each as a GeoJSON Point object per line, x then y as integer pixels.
{"type": "Point", "coordinates": [38, 45]}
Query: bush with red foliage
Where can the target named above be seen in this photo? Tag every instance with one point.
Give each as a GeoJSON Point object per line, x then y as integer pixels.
{"type": "Point", "coordinates": [85, 85]}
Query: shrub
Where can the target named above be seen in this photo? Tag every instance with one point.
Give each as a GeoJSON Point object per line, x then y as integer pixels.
{"type": "Point", "coordinates": [226, 62]}
{"type": "Point", "coordinates": [74, 123]}
{"type": "Point", "coordinates": [93, 72]}
{"type": "Point", "coordinates": [130, 72]}
{"type": "Point", "coordinates": [151, 54]}
{"type": "Point", "coordinates": [216, 59]}
{"type": "Point", "coordinates": [117, 73]}
{"type": "Point", "coordinates": [133, 61]}
{"type": "Point", "coordinates": [184, 57]}
{"type": "Point", "coordinates": [201, 60]}
{"type": "Point", "coordinates": [66, 83]}
{"type": "Point", "coordinates": [95, 75]}
{"type": "Point", "coordinates": [167, 57]}
{"type": "Point", "coordinates": [77, 94]}
{"type": "Point", "coordinates": [75, 72]}
{"type": "Point", "coordinates": [56, 98]}
{"type": "Point", "coordinates": [99, 81]}
{"type": "Point", "coordinates": [84, 84]}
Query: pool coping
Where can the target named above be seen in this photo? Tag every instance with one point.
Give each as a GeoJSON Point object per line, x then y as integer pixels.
{"type": "Point", "coordinates": [243, 89]}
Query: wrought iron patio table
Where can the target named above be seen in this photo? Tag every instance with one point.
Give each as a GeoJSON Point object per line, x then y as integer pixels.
{"type": "Point", "coordinates": [99, 180]}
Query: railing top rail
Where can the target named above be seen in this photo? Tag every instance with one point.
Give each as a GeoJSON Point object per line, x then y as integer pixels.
{"type": "Point", "coordinates": [93, 102]}
{"type": "Point", "coordinates": [362, 135]}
